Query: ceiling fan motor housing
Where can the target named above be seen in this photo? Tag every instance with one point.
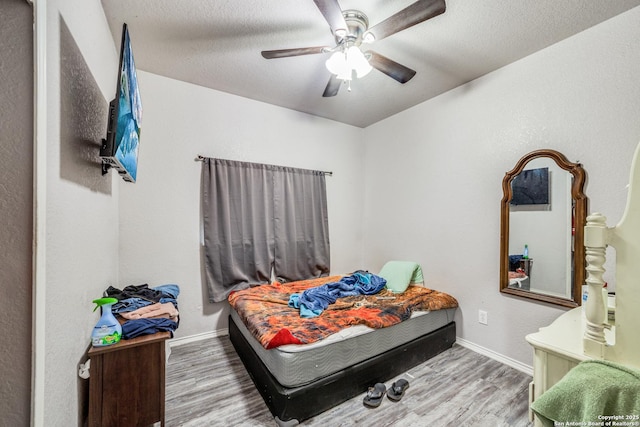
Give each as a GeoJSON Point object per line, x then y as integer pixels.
{"type": "Point", "coordinates": [357, 24]}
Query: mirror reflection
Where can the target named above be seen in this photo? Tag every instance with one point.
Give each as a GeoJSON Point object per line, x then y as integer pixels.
{"type": "Point", "coordinates": [543, 214]}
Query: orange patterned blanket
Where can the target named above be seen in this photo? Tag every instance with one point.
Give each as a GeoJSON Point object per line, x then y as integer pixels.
{"type": "Point", "coordinates": [265, 311]}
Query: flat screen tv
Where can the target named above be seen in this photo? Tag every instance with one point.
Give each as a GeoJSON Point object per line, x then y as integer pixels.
{"type": "Point", "coordinates": [530, 187]}
{"type": "Point", "coordinates": [120, 149]}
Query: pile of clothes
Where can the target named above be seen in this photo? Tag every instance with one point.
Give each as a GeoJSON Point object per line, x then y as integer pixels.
{"type": "Point", "coordinates": [146, 310]}
{"type": "Point", "coordinates": [313, 301]}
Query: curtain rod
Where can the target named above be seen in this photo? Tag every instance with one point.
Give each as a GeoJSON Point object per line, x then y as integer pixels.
{"type": "Point", "coordinates": [200, 158]}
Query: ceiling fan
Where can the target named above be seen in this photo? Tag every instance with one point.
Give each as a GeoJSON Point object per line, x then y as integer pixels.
{"type": "Point", "coordinates": [350, 29]}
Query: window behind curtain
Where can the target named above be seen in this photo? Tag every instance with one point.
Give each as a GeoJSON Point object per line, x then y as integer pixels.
{"type": "Point", "coordinates": [257, 217]}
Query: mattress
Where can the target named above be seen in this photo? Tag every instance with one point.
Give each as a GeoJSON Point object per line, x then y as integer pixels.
{"type": "Point", "coordinates": [297, 365]}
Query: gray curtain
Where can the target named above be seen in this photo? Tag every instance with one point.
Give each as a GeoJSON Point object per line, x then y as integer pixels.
{"type": "Point", "coordinates": [260, 217]}
{"type": "Point", "coordinates": [301, 226]}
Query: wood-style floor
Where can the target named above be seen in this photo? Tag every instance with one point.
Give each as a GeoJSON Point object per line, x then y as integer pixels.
{"type": "Point", "coordinates": [207, 385]}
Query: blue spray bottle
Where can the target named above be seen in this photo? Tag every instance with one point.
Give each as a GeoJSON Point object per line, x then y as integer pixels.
{"type": "Point", "coordinates": [108, 330]}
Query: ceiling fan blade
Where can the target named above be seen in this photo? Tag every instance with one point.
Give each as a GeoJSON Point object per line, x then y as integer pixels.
{"type": "Point", "coordinates": [391, 68]}
{"type": "Point", "coordinates": [414, 14]}
{"type": "Point", "coordinates": [331, 11]}
{"type": "Point", "coordinates": [332, 87]}
{"type": "Point", "coordinates": [283, 53]}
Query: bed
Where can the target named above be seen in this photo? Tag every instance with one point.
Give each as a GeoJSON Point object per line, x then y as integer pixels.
{"type": "Point", "coordinates": [587, 362]}
{"type": "Point", "coordinates": [302, 367]}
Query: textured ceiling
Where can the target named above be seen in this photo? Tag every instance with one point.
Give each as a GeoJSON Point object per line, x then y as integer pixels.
{"type": "Point", "coordinates": [217, 44]}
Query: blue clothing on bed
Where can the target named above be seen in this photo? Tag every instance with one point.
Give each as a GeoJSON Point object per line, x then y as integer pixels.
{"type": "Point", "coordinates": [314, 301]}
{"type": "Point", "coordinates": [294, 302]}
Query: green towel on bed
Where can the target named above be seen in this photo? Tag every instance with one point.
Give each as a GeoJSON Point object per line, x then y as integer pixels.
{"type": "Point", "coordinates": [591, 392]}
{"type": "Point", "coordinates": [400, 274]}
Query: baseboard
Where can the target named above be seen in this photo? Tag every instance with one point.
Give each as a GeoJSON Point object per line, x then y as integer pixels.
{"type": "Point", "coordinates": [496, 356]}
{"type": "Point", "coordinates": [197, 337]}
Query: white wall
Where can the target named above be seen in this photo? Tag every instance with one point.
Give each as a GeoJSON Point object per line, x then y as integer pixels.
{"type": "Point", "coordinates": [160, 213]}
{"type": "Point", "coordinates": [81, 213]}
{"type": "Point", "coordinates": [433, 195]}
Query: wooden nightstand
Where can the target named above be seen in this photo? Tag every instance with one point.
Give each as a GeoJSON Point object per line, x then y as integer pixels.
{"type": "Point", "coordinates": [127, 382]}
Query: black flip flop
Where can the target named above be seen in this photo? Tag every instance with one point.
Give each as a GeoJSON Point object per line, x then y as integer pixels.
{"type": "Point", "coordinates": [374, 395]}
{"type": "Point", "coordinates": [397, 390]}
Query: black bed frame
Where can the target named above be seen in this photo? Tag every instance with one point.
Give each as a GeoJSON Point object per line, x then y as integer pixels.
{"type": "Point", "coordinates": [290, 406]}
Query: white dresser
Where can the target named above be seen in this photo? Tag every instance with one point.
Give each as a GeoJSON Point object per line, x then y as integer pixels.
{"type": "Point", "coordinates": [558, 348]}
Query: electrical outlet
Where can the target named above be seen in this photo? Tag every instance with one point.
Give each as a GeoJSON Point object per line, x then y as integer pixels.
{"type": "Point", "coordinates": [482, 317]}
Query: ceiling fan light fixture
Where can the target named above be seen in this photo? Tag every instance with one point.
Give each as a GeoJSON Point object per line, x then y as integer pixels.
{"type": "Point", "coordinates": [357, 61]}
{"type": "Point", "coordinates": [337, 64]}
{"type": "Point", "coordinates": [344, 62]}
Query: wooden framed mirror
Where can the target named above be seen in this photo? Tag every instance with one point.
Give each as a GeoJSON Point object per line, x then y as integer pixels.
{"type": "Point", "coordinates": [543, 207]}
